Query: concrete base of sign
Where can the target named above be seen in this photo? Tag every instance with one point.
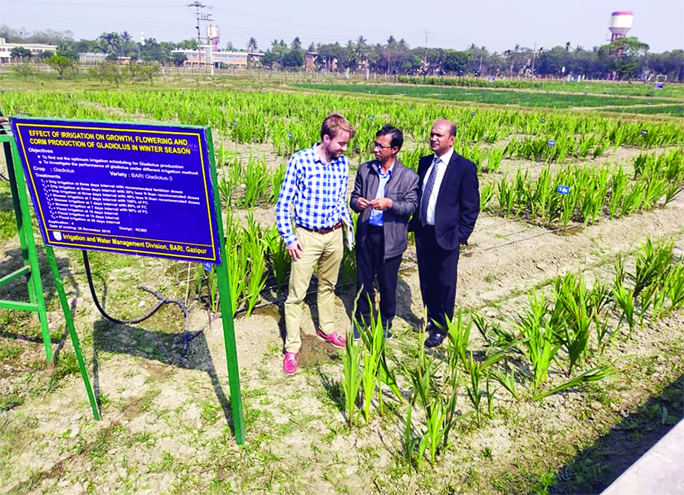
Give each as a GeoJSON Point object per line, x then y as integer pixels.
{"type": "Point", "coordinates": [658, 472]}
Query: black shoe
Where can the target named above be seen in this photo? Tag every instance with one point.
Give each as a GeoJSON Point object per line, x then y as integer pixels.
{"type": "Point", "coordinates": [422, 328]}
{"type": "Point", "coordinates": [435, 339]}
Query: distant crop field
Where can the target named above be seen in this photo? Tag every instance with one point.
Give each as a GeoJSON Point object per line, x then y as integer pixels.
{"type": "Point", "coordinates": [675, 110]}
{"type": "Point", "coordinates": [499, 97]}
{"type": "Point", "coordinates": [669, 90]}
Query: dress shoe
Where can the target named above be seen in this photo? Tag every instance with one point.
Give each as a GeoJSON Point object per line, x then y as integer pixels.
{"type": "Point", "coordinates": [422, 328]}
{"type": "Point", "coordinates": [435, 339]}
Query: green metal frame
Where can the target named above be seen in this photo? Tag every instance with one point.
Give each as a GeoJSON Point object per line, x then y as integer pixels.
{"type": "Point", "coordinates": [31, 269]}
{"type": "Point", "coordinates": [226, 308]}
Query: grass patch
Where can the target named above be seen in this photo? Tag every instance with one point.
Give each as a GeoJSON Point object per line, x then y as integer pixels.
{"type": "Point", "coordinates": [8, 225]}
{"type": "Point", "coordinates": [10, 402]}
{"type": "Point", "coordinates": [9, 351]}
{"type": "Point", "coordinates": [504, 97]}
{"type": "Point", "coordinates": [65, 366]}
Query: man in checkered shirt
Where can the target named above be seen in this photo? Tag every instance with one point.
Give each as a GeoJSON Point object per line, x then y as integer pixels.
{"type": "Point", "coordinates": [315, 185]}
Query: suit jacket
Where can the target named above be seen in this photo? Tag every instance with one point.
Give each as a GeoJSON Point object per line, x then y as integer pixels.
{"type": "Point", "coordinates": [458, 201]}
{"type": "Point", "coordinates": [402, 189]}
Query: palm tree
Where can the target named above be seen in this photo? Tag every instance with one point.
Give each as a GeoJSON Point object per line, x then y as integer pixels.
{"type": "Point", "coordinates": [110, 43]}
{"type": "Point", "coordinates": [126, 41]}
{"type": "Point", "coordinates": [296, 44]}
{"type": "Point", "coordinates": [252, 45]}
{"type": "Point", "coordinates": [361, 48]}
{"type": "Point", "coordinates": [390, 46]}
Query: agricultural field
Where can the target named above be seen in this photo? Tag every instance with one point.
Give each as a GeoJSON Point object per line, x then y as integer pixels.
{"type": "Point", "coordinates": [509, 97]}
{"type": "Point", "coordinates": [592, 87]}
{"type": "Point", "coordinates": [675, 110]}
{"type": "Point", "coordinates": [563, 363]}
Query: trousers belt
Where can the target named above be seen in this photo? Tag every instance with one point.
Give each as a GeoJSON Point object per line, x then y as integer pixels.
{"type": "Point", "coordinates": [324, 231]}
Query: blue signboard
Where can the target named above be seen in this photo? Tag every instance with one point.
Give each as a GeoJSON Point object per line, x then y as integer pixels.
{"type": "Point", "coordinates": [563, 190]}
{"type": "Point", "coordinates": [126, 188]}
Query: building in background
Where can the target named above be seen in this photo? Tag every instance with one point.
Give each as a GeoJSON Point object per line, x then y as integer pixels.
{"type": "Point", "coordinates": [34, 48]}
{"type": "Point", "coordinates": [91, 57]}
{"type": "Point", "coordinates": [206, 56]}
{"type": "Point", "coordinates": [310, 60]}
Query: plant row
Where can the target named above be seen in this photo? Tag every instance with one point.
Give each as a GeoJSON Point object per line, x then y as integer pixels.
{"type": "Point", "coordinates": [258, 266]}
{"type": "Point", "coordinates": [586, 194]}
{"type": "Point", "coordinates": [291, 121]}
{"type": "Point", "coordinates": [560, 338]}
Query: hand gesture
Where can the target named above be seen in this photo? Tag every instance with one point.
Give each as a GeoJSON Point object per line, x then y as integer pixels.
{"type": "Point", "coordinates": [362, 203]}
{"type": "Point", "coordinates": [381, 204]}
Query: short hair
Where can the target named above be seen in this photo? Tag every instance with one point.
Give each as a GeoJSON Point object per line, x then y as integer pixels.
{"type": "Point", "coordinates": [452, 129]}
{"type": "Point", "coordinates": [334, 124]}
{"type": "Point", "coordinates": [397, 135]}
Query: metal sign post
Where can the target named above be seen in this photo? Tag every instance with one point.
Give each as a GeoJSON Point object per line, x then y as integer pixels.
{"type": "Point", "coordinates": [130, 188]}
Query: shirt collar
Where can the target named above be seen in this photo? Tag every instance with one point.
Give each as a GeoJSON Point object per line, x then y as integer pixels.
{"type": "Point", "coordinates": [318, 158]}
{"type": "Point", "coordinates": [389, 171]}
{"type": "Point", "coordinates": [314, 151]}
{"type": "Point", "coordinates": [446, 157]}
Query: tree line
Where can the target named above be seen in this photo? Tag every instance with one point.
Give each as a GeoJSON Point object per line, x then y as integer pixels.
{"type": "Point", "coordinates": [624, 59]}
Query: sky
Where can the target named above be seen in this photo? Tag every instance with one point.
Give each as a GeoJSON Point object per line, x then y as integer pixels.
{"type": "Point", "coordinates": [497, 24]}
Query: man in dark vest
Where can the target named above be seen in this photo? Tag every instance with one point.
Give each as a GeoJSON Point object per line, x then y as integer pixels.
{"type": "Point", "coordinates": [386, 195]}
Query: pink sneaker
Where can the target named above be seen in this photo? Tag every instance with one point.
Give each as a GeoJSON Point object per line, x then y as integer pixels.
{"type": "Point", "coordinates": [334, 338]}
{"type": "Point", "coordinates": [290, 363]}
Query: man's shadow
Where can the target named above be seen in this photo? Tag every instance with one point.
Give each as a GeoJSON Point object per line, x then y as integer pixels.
{"type": "Point", "coordinates": [158, 346]}
{"type": "Point", "coordinates": [405, 304]}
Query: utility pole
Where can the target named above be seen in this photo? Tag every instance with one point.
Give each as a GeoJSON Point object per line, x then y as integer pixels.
{"type": "Point", "coordinates": [198, 5]}
{"type": "Point", "coordinates": [534, 58]}
{"type": "Point", "coordinates": [212, 36]}
{"type": "Point", "coordinates": [425, 65]}
{"type": "Point", "coordinates": [211, 40]}
{"type": "Point", "coordinates": [142, 42]}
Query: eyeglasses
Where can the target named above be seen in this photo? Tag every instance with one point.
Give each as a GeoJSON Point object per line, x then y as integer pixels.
{"type": "Point", "coordinates": [382, 147]}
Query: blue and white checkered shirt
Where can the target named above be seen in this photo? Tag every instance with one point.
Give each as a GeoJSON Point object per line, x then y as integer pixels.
{"type": "Point", "coordinates": [316, 189]}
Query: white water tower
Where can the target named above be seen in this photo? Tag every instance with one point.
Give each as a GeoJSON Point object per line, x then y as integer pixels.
{"type": "Point", "coordinates": [620, 24]}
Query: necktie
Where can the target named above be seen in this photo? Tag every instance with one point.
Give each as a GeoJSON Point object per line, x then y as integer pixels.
{"type": "Point", "coordinates": [427, 192]}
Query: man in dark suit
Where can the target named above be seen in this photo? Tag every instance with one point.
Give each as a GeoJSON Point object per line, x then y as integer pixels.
{"type": "Point", "coordinates": [448, 206]}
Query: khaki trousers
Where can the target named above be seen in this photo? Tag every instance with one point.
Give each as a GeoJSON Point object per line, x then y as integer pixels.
{"type": "Point", "coordinates": [326, 250]}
